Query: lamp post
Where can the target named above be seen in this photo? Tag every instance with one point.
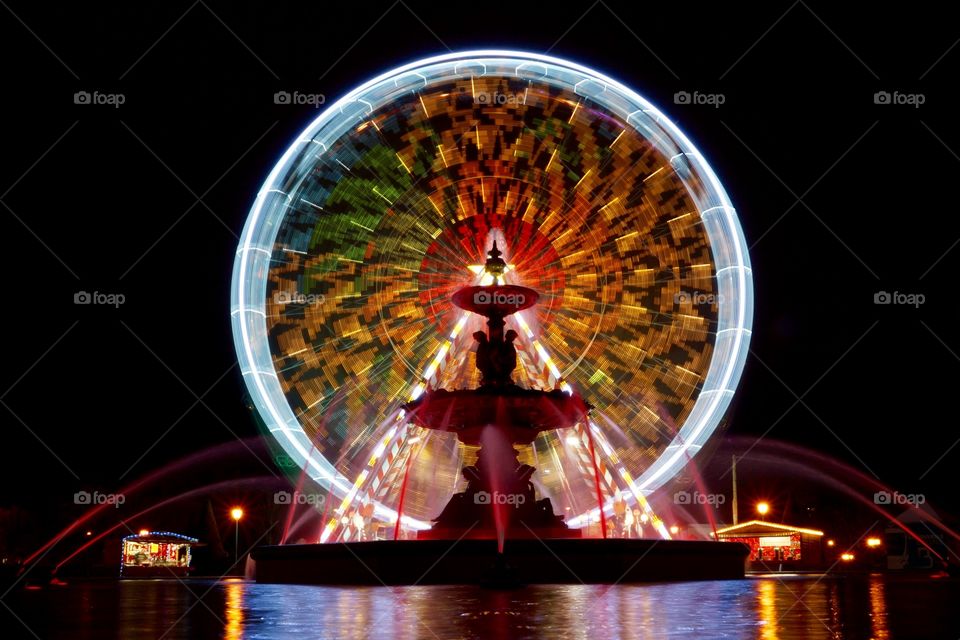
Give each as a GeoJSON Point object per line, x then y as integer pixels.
{"type": "Point", "coordinates": [763, 508]}
{"type": "Point", "coordinates": [236, 513]}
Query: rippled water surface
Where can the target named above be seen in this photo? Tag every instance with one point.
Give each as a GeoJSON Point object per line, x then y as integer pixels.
{"type": "Point", "coordinates": [782, 606]}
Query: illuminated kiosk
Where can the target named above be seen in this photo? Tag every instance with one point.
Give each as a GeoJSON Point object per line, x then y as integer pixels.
{"type": "Point", "coordinates": [387, 204]}
{"type": "Point", "coordinates": [774, 545]}
{"type": "Point", "coordinates": [156, 554]}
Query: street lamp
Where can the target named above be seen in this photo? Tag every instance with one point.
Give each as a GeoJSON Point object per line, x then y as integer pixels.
{"type": "Point", "coordinates": [873, 542]}
{"type": "Point", "coordinates": [236, 513]}
{"type": "Point", "coordinates": [763, 508]}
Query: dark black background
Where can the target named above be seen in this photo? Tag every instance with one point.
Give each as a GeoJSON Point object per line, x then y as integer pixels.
{"type": "Point", "coordinates": [119, 190]}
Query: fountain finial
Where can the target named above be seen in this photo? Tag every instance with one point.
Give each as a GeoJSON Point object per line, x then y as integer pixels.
{"type": "Point", "coordinates": [495, 265]}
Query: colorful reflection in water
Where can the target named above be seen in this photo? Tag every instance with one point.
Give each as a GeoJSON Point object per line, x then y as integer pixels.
{"type": "Point", "coordinates": [781, 606]}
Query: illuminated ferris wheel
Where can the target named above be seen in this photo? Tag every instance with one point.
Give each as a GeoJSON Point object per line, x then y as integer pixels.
{"type": "Point", "coordinates": [389, 202]}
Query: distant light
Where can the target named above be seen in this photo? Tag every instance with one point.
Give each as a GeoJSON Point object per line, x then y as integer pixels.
{"type": "Point", "coordinates": [846, 557]}
{"type": "Point", "coordinates": [144, 532]}
{"type": "Point", "coordinates": [763, 508]}
{"type": "Point", "coordinates": [830, 543]}
{"type": "Point", "coordinates": [236, 513]}
{"type": "Point", "coordinates": [873, 542]}
{"type": "Point", "coordinates": [644, 518]}
{"type": "Point", "coordinates": [674, 529]}
{"type": "Point", "coordinates": [89, 533]}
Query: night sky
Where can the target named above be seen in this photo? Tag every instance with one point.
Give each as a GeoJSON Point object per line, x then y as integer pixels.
{"type": "Point", "coordinates": [839, 198]}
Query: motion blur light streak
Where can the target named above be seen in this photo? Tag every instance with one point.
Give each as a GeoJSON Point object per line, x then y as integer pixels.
{"type": "Point", "coordinates": [382, 208]}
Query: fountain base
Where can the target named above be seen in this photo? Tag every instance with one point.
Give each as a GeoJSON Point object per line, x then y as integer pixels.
{"type": "Point", "coordinates": [500, 501]}
{"type": "Point", "coordinates": [530, 561]}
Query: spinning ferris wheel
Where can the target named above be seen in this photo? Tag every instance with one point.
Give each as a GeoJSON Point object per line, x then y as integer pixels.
{"type": "Point", "coordinates": [389, 202]}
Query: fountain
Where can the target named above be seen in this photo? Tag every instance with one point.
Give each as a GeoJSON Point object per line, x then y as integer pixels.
{"type": "Point", "coordinates": [497, 415]}
{"type": "Point", "coordinates": [496, 531]}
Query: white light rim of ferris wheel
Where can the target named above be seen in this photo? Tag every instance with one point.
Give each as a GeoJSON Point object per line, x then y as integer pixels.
{"type": "Point", "coordinates": [732, 262]}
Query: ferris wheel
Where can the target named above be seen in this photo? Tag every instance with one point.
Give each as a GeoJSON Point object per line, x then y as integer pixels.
{"type": "Point", "coordinates": [389, 202]}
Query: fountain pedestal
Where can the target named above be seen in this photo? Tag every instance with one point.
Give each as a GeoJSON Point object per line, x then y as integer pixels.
{"type": "Point", "coordinates": [500, 500]}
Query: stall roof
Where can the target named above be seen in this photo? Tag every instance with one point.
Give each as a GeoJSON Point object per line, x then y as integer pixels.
{"type": "Point", "coordinates": [762, 528]}
{"type": "Point", "coordinates": [162, 536]}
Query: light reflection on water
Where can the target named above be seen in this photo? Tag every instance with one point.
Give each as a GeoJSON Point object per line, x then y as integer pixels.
{"type": "Point", "coordinates": [770, 607]}
{"type": "Point", "coordinates": [878, 609]}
